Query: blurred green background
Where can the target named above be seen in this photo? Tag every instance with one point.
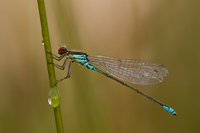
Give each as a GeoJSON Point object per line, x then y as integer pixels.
{"type": "Point", "coordinates": [162, 31]}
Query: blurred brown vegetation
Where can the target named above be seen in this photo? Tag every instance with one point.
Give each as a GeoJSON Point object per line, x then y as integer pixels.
{"type": "Point", "coordinates": [161, 31]}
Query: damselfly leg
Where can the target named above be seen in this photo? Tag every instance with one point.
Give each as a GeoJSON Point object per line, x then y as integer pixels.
{"type": "Point", "coordinates": [58, 58]}
{"type": "Point", "coordinates": [68, 73]}
{"type": "Point", "coordinates": [60, 67]}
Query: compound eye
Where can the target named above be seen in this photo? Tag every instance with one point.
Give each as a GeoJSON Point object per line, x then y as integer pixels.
{"type": "Point", "coordinates": [62, 50]}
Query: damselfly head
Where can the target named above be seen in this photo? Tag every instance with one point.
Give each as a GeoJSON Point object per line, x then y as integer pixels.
{"type": "Point", "coordinates": [62, 50]}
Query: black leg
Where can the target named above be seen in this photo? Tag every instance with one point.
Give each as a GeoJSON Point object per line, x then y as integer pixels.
{"type": "Point", "coordinates": [68, 74]}
{"type": "Point", "coordinates": [58, 58]}
{"type": "Point", "coordinates": [60, 67]}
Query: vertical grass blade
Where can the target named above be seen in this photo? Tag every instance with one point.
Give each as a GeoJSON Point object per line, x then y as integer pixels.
{"type": "Point", "coordinates": [50, 67]}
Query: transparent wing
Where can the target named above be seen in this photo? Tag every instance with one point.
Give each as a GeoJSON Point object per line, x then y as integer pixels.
{"type": "Point", "coordinates": [132, 71]}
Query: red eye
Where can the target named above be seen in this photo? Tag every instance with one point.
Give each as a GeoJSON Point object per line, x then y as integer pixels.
{"type": "Point", "coordinates": [62, 50]}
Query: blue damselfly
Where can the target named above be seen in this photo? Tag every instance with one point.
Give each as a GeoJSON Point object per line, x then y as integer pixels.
{"type": "Point", "coordinates": [132, 71]}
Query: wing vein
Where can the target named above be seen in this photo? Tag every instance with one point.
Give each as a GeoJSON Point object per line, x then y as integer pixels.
{"type": "Point", "coordinates": [132, 71]}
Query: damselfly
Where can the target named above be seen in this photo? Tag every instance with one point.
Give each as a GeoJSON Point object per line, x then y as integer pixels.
{"type": "Point", "coordinates": [132, 71]}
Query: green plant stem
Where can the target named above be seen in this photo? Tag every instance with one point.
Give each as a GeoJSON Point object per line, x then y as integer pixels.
{"type": "Point", "coordinates": [50, 67]}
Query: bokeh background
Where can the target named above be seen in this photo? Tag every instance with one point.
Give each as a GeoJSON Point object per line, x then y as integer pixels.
{"type": "Point", "coordinates": [162, 31]}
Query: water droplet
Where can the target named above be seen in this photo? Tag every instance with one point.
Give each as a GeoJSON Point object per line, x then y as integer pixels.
{"type": "Point", "coordinates": [42, 42]}
{"type": "Point", "coordinates": [54, 97]}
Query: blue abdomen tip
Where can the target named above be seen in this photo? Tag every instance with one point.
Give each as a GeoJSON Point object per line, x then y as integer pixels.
{"type": "Point", "coordinates": [170, 110]}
